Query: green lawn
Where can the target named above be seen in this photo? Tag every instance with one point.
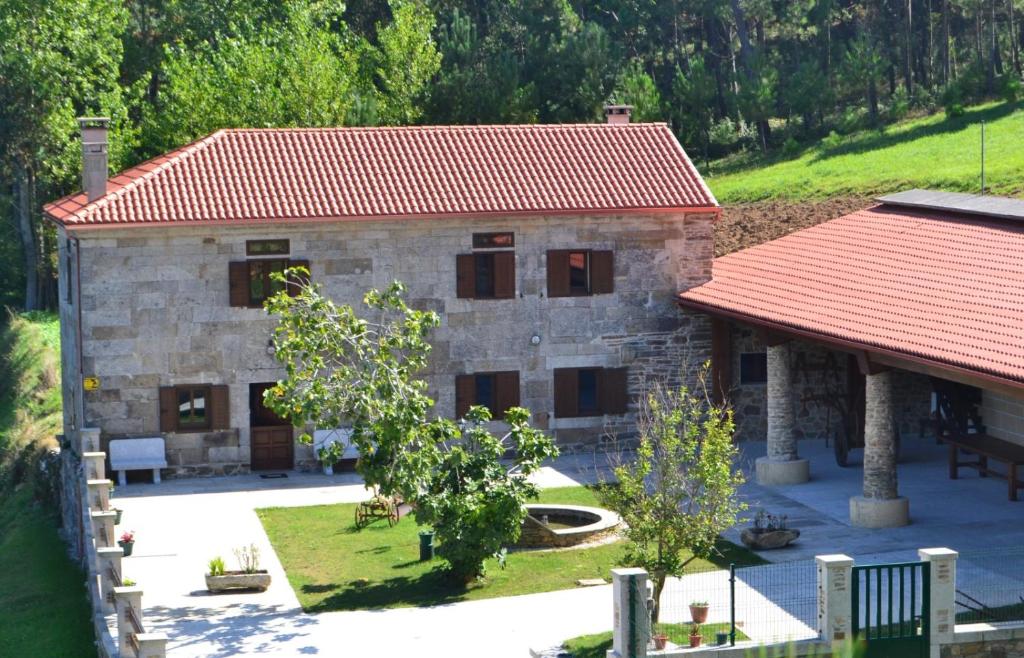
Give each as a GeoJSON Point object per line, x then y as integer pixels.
{"type": "Point", "coordinates": [42, 596]}
{"type": "Point", "coordinates": [933, 152]}
{"type": "Point", "coordinates": [598, 644]}
{"type": "Point", "coordinates": [333, 566]}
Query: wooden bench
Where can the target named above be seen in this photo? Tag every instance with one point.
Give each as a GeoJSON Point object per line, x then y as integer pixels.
{"type": "Point", "coordinates": [986, 447]}
{"type": "Point", "coordinates": [137, 455]}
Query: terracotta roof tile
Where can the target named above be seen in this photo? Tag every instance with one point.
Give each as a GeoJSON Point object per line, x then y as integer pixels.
{"type": "Point", "coordinates": [255, 175]}
{"type": "Point", "coordinates": [946, 288]}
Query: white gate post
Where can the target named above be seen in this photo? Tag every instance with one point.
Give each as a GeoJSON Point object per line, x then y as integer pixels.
{"type": "Point", "coordinates": [835, 607]}
{"type": "Point", "coordinates": [631, 621]}
{"type": "Point", "coordinates": [942, 602]}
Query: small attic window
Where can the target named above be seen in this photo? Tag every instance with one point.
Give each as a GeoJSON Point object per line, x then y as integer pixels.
{"type": "Point", "coordinates": [266, 247]}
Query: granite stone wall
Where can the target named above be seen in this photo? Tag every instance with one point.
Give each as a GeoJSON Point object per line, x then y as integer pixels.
{"type": "Point", "coordinates": [154, 311]}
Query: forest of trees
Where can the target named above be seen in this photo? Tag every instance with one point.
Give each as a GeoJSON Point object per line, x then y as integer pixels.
{"type": "Point", "coordinates": [728, 75]}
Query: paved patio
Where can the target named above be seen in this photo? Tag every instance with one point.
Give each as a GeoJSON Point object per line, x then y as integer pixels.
{"type": "Point", "coordinates": [181, 524]}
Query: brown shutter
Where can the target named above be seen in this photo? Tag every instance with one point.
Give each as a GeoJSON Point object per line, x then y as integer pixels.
{"type": "Point", "coordinates": [238, 282]}
{"type": "Point", "coordinates": [465, 394]}
{"type": "Point", "coordinates": [220, 412]}
{"type": "Point", "coordinates": [292, 289]}
{"type": "Point", "coordinates": [602, 272]}
{"type": "Point", "coordinates": [465, 276]}
{"type": "Point", "coordinates": [614, 390]}
{"type": "Point", "coordinates": [168, 409]}
{"type": "Point", "coordinates": [721, 360]}
{"type": "Point", "coordinates": [507, 394]}
{"type": "Point", "coordinates": [566, 392]}
{"type": "Point", "coordinates": [558, 273]}
{"type": "Point", "coordinates": [504, 275]}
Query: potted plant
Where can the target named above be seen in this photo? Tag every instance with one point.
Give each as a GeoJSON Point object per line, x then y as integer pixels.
{"type": "Point", "coordinates": [117, 510]}
{"type": "Point", "coordinates": [126, 542]}
{"type": "Point", "coordinates": [695, 636]}
{"type": "Point", "coordinates": [127, 582]}
{"type": "Point", "coordinates": [769, 532]}
{"type": "Point", "coordinates": [248, 577]}
{"type": "Point", "coordinates": [329, 455]}
{"type": "Point", "coordinates": [699, 611]}
{"type": "Point", "coordinates": [660, 640]}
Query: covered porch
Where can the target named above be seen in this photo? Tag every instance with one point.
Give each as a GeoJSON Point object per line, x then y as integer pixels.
{"type": "Point", "coordinates": [923, 288]}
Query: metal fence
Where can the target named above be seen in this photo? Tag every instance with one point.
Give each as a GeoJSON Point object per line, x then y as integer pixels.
{"type": "Point", "coordinates": [766, 604]}
{"type": "Point", "coordinates": [990, 586]}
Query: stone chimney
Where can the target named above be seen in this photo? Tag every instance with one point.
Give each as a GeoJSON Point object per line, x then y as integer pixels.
{"type": "Point", "coordinates": [94, 156]}
{"type": "Point", "coordinates": [618, 115]}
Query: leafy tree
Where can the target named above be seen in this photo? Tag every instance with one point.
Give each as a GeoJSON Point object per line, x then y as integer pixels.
{"type": "Point", "coordinates": [636, 88]}
{"type": "Point", "coordinates": [693, 95]}
{"type": "Point", "coordinates": [475, 502]}
{"type": "Point", "coordinates": [679, 492]}
{"type": "Point", "coordinates": [342, 369]}
{"type": "Point", "coordinates": [408, 59]}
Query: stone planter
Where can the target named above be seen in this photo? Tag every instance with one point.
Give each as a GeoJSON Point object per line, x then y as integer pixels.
{"type": "Point", "coordinates": [766, 540]}
{"type": "Point", "coordinates": [259, 580]}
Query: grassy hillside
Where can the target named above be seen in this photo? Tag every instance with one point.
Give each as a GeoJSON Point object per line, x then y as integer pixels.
{"type": "Point", "coordinates": [933, 152]}
{"type": "Point", "coordinates": [42, 596]}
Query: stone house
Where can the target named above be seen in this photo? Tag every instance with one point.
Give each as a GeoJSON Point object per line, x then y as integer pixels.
{"type": "Point", "coordinates": [553, 254]}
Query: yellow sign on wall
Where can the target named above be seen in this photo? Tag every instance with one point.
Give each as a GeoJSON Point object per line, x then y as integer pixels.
{"type": "Point", "coordinates": [91, 383]}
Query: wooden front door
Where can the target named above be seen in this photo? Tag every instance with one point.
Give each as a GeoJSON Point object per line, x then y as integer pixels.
{"type": "Point", "coordinates": [272, 440]}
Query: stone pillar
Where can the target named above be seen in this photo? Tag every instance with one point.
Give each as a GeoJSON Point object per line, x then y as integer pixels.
{"type": "Point", "coordinates": [103, 528]}
{"type": "Point", "coordinates": [95, 465]}
{"type": "Point", "coordinates": [835, 607]}
{"type": "Point", "coordinates": [942, 602]}
{"type": "Point", "coordinates": [99, 494]}
{"type": "Point", "coordinates": [90, 438]}
{"type": "Point", "coordinates": [631, 620]}
{"type": "Point", "coordinates": [152, 645]}
{"type": "Point", "coordinates": [125, 598]}
{"type": "Point", "coordinates": [881, 506]}
{"type": "Point", "coordinates": [107, 560]}
{"type": "Point", "coordinates": [782, 465]}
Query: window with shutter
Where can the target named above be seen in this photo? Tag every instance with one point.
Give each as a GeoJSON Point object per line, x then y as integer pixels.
{"type": "Point", "coordinates": [506, 385]}
{"type": "Point", "coordinates": [498, 391]}
{"type": "Point", "coordinates": [602, 273]}
{"type": "Point", "coordinates": [566, 392]}
{"type": "Point", "coordinates": [238, 283]}
{"type": "Point", "coordinates": [465, 393]}
{"type": "Point", "coordinates": [573, 272]}
{"type": "Point", "coordinates": [488, 275]}
{"type": "Point", "coordinates": [558, 273]}
{"type": "Point", "coordinates": [194, 408]}
{"type": "Point", "coordinates": [504, 275]}
{"type": "Point", "coordinates": [615, 391]}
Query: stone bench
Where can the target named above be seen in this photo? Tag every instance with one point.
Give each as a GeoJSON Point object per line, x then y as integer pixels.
{"type": "Point", "coordinates": [137, 455]}
{"type": "Point", "coordinates": [322, 438]}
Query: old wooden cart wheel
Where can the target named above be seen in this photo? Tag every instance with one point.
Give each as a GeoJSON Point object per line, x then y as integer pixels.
{"type": "Point", "coordinates": [359, 516]}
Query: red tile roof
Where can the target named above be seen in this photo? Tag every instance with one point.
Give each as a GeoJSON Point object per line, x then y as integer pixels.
{"type": "Point", "coordinates": [946, 289]}
{"type": "Point", "coordinates": [261, 175]}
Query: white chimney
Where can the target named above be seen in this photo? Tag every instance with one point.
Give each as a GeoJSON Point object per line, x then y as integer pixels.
{"type": "Point", "coordinates": [618, 115]}
{"type": "Point", "coordinates": [94, 156]}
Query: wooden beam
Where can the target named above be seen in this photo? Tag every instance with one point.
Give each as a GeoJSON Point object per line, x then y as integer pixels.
{"type": "Point", "coordinates": [867, 364]}
{"type": "Point", "coordinates": [771, 338]}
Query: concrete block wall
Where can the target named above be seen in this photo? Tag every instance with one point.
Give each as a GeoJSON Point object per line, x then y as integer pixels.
{"type": "Point", "coordinates": [155, 312]}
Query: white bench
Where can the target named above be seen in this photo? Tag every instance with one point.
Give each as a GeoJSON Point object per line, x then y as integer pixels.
{"type": "Point", "coordinates": [137, 455]}
{"type": "Point", "coordinates": [323, 438]}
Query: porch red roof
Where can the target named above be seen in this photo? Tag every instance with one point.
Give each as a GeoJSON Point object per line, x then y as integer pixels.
{"type": "Point", "coordinates": [939, 287]}
{"type": "Point", "coordinates": [249, 175]}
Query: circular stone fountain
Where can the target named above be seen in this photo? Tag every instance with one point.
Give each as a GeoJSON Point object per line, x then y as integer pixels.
{"type": "Point", "coordinates": [561, 526]}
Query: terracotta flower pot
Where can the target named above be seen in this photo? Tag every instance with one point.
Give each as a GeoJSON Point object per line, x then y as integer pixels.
{"type": "Point", "coordinates": [660, 641]}
{"type": "Point", "coordinates": [699, 613]}
{"type": "Point", "coordinates": [239, 580]}
{"type": "Point", "coordinates": [695, 641]}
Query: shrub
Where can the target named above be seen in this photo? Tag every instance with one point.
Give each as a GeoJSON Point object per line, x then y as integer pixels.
{"type": "Point", "coordinates": [1011, 88]}
{"type": "Point", "coordinates": [790, 147]}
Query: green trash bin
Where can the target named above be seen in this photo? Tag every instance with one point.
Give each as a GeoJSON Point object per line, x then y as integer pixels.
{"type": "Point", "coordinates": [426, 545]}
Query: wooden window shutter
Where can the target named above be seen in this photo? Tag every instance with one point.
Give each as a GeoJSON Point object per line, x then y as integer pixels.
{"type": "Point", "coordinates": [168, 409]}
{"type": "Point", "coordinates": [465, 394]}
{"type": "Point", "coordinates": [566, 392]}
{"type": "Point", "coordinates": [507, 394]}
{"type": "Point", "coordinates": [505, 275]}
{"type": "Point", "coordinates": [220, 411]}
{"type": "Point", "coordinates": [465, 276]}
{"type": "Point", "coordinates": [558, 273]}
{"type": "Point", "coordinates": [292, 290]}
{"type": "Point", "coordinates": [614, 390]}
{"type": "Point", "coordinates": [238, 282]}
{"type": "Point", "coordinates": [602, 272]}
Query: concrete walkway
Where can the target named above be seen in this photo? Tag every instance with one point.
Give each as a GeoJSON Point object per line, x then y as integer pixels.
{"type": "Point", "coordinates": [182, 523]}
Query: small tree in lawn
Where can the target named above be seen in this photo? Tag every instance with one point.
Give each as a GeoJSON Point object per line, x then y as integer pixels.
{"type": "Point", "coordinates": [344, 369]}
{"type": "Point", "coordinates": [679, 492]}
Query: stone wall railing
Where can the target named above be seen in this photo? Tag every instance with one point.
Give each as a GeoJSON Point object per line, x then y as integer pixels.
{"type": "Point", "coordinates": [117, 609]}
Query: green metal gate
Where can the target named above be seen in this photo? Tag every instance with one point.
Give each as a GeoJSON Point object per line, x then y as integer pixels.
{"type": "Point", "coordinates": [890, 609]}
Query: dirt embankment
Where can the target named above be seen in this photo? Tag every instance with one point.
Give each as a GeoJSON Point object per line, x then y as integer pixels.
{"type": "Point", "coordinates": [747, 224]}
